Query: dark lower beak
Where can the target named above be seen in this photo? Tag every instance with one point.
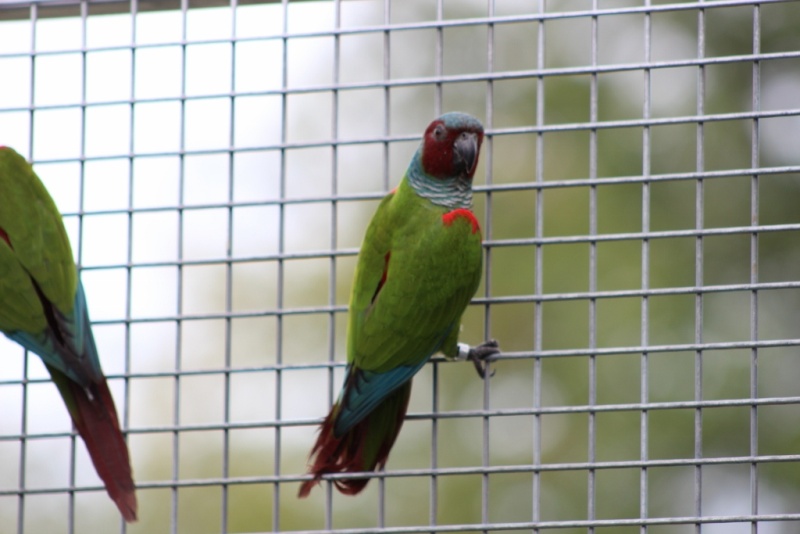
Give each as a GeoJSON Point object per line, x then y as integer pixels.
{"type": "Point", "coordinates": [465, 153]}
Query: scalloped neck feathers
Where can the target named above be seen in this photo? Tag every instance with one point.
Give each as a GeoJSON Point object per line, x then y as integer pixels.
{"type": "Point", "coordinates": [452, 193]}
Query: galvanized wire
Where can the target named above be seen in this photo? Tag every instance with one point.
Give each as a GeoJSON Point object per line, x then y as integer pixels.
{"type": "Point", "coordinates": [540, 238]}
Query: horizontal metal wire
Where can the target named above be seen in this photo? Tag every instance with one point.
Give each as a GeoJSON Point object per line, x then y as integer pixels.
{"type": "Point", "coordinates": [468, 527]}
{"type": "Point", "coordinates": [467, 78]}
{"type": "Point", "coordinates": [509, 355]}
{"type": "Point", "coordinates": [399, 27]}
{"type": "Point", "coordinates": [458, 414]}
{"type": "Point", "coordinates": [541, 525]}
{"type": "Point", "coordinates": [590, 126]}
{"type": "Point", "coordinates": [639, 236]}
{"type": "Point", "coordinates": [536, 410]}
{"type": "Point", "coordinates": [488, 244]}
{"type": "Point", "coordinates": [545, 297]}
{"type": "Point", "coordinates": [355, 197]}
{"type": "Point", "coordinates": [641, 293]}
{"type": "Point", "coordinates": [651, 349]}
{"type": "Point", "coordinates": [444, 471]}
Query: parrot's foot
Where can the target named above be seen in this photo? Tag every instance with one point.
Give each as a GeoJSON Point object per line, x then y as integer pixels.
{"type": "Point", "coordinates": [479, 355]}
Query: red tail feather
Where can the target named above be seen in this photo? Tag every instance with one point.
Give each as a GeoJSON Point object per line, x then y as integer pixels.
{"type": "Point", "coordinates": [95, 418]}
{"type": "Point", "coordinates": [365, 447]}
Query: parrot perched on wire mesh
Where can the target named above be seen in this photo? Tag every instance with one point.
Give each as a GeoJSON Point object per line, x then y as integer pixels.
{"type": "Point", "coordinates": [419, 266]}
{"type": "Point", "coordinates": [43, 308]}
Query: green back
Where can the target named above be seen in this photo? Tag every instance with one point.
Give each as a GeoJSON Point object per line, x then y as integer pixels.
{"type": "Point", "coordinates": [39, 249]}
{"type": "Point", "coordinates": [434, 270]}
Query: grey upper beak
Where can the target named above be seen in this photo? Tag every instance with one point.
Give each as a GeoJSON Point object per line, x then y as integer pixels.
{"type": "Point", "coordinates": [466, 152]}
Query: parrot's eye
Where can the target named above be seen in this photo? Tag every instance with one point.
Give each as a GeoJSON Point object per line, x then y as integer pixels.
{"type": "Point", "coordinates": [439, 133]}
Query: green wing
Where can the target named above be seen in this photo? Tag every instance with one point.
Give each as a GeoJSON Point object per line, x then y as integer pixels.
{"type": "Point", "coordinates": [413, 281]}
{"type": "Point", "coordinates": [41, 307]}
{"type": "Point", "coordinates": [414, 278]}
{"type": "Point", "coordinates": [34, 249]}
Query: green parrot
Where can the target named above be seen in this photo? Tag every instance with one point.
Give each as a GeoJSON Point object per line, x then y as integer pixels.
{"type": "Point", "coordinates": [419, 266]}
{"type": "Point", "coordinates": [43, 308]}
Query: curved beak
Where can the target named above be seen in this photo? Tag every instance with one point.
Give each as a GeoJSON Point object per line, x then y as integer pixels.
{"type": "Point", "coordinates": [465, 153]}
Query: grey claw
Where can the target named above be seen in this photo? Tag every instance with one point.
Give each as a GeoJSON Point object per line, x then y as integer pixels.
{"type": "Point", "coordinates": [479, 355]}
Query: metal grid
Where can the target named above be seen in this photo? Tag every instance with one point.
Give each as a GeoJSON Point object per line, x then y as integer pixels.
{"type": "Point", "coordinates": [216, 167]}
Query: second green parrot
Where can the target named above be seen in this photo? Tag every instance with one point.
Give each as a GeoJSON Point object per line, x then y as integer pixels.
{"type": "Point", "coordinates": [420, 264]}
{"type": "Point", "coordinates": [43, 308]}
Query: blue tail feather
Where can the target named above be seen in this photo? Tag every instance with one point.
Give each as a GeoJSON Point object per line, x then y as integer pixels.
{"type": "Point", "coordinates": [364, 390]}
{"type": "Point", "coordinates": [68, 344]}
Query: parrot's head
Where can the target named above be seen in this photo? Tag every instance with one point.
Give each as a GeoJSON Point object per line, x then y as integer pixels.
{"type": "Point", "coordinates": [451, 146]}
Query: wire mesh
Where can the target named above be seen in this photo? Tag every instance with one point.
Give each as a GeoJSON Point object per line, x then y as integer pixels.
{"type": "Point", "coordinates": [217, 163]}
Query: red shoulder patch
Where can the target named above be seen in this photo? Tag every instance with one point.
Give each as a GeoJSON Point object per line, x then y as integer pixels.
{"type": "Point", "coordinates": [4, 237]}
{"type": "Point", "coordinates": [383, 276]}
{"type": "Point", "coordinates": [451, 216]}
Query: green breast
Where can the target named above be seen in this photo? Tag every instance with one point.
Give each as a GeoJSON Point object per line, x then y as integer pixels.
{"type": "Point", "coordinates": [433, 272]}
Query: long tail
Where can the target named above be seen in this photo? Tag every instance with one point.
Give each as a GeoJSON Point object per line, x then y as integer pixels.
{"type": "Point", "coordinates": [364, 447]}
{"type": "Point", "coordinates": [95, 417]}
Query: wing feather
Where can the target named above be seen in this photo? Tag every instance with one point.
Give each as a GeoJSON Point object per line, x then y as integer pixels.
{"type": "Point", "coordinates": [35, 242]}
{"type": "Point", "coordinates": [43, 305]}
{"type": "Point", "coordinates": [413, 280]}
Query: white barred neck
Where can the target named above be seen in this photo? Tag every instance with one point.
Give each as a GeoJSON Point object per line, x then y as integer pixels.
{"type": "Point", "coordinates": [452, 193]}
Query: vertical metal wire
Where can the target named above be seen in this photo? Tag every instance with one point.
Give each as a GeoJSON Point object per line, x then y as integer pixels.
{"type": "Point", "coordinates": [179, 274]}
{"type": "Point", "coordinates": [437, 110]}
{"type": "Point", "coordinates": [226, 437]}
{"type": "Point", "coordinates": [538, 276]}
{"type": "Point", "coordinates": [276, 501]}
{"type": "Point", "coordinates": [439, 60]}
{"type": "Point", "coordinates": [434, 488]}
{"type": "Point", "coordinates": [487, 318]}
{"type": "Point", "coordinates": [129, 244]}
{"type": "Point", "coordinates": [387, 102]}
{"type": "Point", "coordinates": [438, 82]}
{"type": "Point", "coordinates": [437, 99]}
{"type": "Point", "coordinates": [433, 510]}
{"type": "Point", "coordinates": [699, 265]}
{"type": "Point", "coordinates": [23, 445]}
{"type": "Point", "coordinates": [433, 507]}
{"type": "Point", "coordinates": [333, 241]}
{"type": "Point", "coordinates": [84, 8]}
{"type": "Point", "coordinates": [754, 220]}
{"type": "Point", "coordinates": [592, 452]}
{"type": "Point", "coordinates": [645, 311]}
{"type": "Point", "coordinates": [387, 112]}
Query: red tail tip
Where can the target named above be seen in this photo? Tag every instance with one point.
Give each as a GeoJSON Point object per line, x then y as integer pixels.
{"type": "Point", "coordinates": [306, 487]}
{"type": "Point", "coordinates": [127, 507]}
{"type": "Point", "coordinates": [95, 418]}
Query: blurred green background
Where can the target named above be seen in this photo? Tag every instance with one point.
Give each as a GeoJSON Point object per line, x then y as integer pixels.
{"type": "Point", "coordinates": [156, 230]}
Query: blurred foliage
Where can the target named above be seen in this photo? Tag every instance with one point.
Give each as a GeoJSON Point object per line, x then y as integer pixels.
{"type": "Point", "coordinates": [255, 402]}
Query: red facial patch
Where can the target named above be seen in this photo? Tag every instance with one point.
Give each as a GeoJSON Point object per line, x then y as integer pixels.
{"type": "Point", "coordinates": [451, 216]}
{"type": "Point", "coordinates": [437, 154]}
